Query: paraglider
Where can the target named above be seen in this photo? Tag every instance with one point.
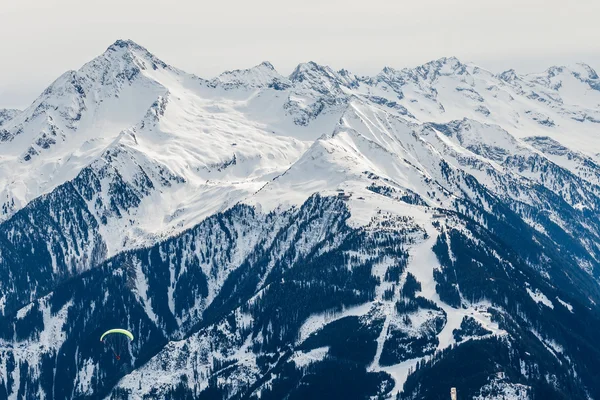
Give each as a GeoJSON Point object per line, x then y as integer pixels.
{"type": "Point", "coordinates": [117, 340]}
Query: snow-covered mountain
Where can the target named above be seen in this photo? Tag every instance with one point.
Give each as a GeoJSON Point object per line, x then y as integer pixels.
{"type": "Point", "coordinates": [317, 235]}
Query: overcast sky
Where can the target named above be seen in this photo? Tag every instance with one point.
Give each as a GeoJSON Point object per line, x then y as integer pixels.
{"type": "Point", "coordinates": [41, 39]}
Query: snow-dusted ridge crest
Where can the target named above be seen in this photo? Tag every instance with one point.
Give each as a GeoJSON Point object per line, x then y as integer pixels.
{"type": "Point", "coordinates": [82, 102]}
{"type": "Point", "coordinates": [253, 228]}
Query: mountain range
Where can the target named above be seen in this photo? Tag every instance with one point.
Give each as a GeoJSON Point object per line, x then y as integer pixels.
{"type": "Point", "coordinates": [319, 235]}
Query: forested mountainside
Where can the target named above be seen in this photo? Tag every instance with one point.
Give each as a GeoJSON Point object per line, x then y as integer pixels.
{"type": "Point", "coordinates": [319, 235]}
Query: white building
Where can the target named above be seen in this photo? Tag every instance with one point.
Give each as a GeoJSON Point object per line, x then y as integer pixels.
{"type": "Point", "coordinates": [453, 394]}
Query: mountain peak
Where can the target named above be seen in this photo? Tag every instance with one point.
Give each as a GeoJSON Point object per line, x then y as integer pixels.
{"type": "Point", "coordinates": [447, 60]}
{"type": "Point", "coordinates": [263, 74]}
{"type": "Point", "coordinates": [389, 71]}
{"type": "Point", "coordinates": [555, 70]}
{"type": "Point", "coordinates": [584, 71]}
{"type": "Point", "coordinates": [314, 67]}
{"type": "Point", "coordinates": [580, 70]}
{"type": "Point", "coordinates": [555, 76]}
{"type": "Point", "coordinates": [303, 69]}
{"type": "Point", "coordinates": [131, 52]}
{"type": "Point", "coordinates": [451, 62]}
{"type": "Point", "coordinates": [124, 60]}
{"type": "Point", "coordinates": [321, 78]}
{"type": "Point", "coordinates": [125, 43]}
{"type": "Point", "coordinates": [431, 70]}
{"type": "Point", "coordinates": [508, 76]}
{"type": "Point", "coordinates": [266, 64]}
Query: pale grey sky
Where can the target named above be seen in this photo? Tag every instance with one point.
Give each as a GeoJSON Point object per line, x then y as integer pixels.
{"type": "Point", "coordinates": [41, 39]}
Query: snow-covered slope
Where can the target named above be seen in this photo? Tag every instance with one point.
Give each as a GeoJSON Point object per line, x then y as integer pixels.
{"type": "Point", "coordinates": [131, 113]}
{"type": "Point", "coordinates": [225, 138]}
{"type": "Point", "coordinates": [252, 228]}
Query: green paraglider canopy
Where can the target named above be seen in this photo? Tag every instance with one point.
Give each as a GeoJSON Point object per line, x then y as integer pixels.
{"type": "Point", "coordinates": [121, 331]}
{"type": "Point", "coordinates": [117, 339]}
